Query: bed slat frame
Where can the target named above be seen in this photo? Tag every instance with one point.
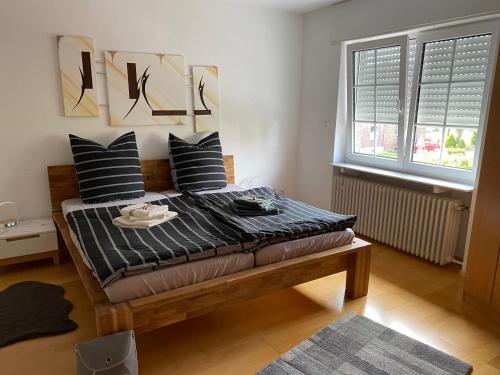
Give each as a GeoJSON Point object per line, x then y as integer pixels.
{"type": "Point", "coordinates": [148, 313]}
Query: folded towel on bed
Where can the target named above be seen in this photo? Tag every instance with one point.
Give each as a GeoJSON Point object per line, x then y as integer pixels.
{"type": "Point", "coordinates": [144, 211]}
{"type": "Point", "coordinates": [254, 201]}
{"type": "Point", "coordinates": [251, 205]}
{"type": "Point", "coordinates": [151, 218]}
{"type": "Point", "coordinates": [125, 222]}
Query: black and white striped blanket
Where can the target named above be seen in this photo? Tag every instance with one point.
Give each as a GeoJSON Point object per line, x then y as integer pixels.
{"type": "Point", "coordinates": [294, 220]}
{"type": "Point", "coordinates": [113, 252]}
{"type": "Point", "coordinates": [202, 228]}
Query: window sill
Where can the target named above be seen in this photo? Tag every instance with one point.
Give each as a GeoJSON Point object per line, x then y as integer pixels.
{"type": "Point", "coordinates": [438, 185]}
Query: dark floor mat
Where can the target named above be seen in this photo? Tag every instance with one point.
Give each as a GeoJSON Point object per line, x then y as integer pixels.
{"type": "Point", "coordinates": [32, 309]}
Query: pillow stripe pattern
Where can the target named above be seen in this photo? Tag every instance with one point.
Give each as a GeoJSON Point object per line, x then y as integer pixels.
{"type": "Point", "coordinates": [199, 166]}
{"type": "Point", "coordinates": [107, 174]}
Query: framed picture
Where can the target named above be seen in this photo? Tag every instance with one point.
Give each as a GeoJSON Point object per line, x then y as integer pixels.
{"type": "Point", "coordinates": [206, 98]}
{"type": "Point", "coordinates": [78, 79]}
{"type": "Point", "coordinates": [145, 88]}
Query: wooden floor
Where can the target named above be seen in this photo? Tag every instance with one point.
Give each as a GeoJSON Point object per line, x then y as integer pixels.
{"type": "Point", "coordinates": [409, 295]}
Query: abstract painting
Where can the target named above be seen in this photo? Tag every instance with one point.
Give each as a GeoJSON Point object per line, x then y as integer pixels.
{"type": "Point", "coordinates": [206, 98]}
{"type": "Point", "coordinates": [145, 88]}
{"type": "Point", "coordinates": [76, 64]}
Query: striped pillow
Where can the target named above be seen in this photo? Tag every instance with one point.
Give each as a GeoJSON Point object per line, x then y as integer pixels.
{"type": "Point", "coordinates": [199, 166]}
{"type": "Point", "coordinates": [107, 174]}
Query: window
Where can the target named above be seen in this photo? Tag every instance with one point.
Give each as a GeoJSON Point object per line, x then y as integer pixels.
{"type": "Point", "coordinates": [378, 93]}
{"type": "Point", "coordinates": [417, 103]}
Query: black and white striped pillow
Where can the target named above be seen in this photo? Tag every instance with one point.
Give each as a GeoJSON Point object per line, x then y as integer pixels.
{"type": "Point", "coordinates": [199, 166]}
{"type": "Point", "coordinates": [108, 174]}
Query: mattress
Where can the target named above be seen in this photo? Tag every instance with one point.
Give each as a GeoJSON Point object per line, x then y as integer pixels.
{"type": "Point", "coordinates": [164, 279]}
{"type": "Point", "coordinates": [153, 282]}
{"type": "Point", "coordinates": [292, 249]}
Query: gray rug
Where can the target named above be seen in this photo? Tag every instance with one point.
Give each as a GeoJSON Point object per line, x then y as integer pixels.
{"type": "Point", "coordinates": [355, 345]}
{"type": "Point", "coordinates": [32, 309]}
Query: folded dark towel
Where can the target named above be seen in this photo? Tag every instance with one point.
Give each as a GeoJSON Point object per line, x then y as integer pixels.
{"type": "Point", "coordinates": [249, 210]}
{"type": "Point", "coordinates": [255, 202]}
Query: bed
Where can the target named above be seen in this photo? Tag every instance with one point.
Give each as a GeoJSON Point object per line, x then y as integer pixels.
{"type": "Point", "coordinates": [251, 275]}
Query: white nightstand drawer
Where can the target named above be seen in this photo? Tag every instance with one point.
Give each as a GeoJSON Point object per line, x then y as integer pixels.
{"type": "Point", "coordinates": [27, 244]}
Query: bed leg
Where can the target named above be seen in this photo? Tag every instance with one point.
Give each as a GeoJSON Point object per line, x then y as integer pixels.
{"type": "Point", "coordinates": [56, 258]}
{"type": "Point", "coordinates": [61, 245]}
{"type": "Point", "coordinates": [358, 273]}
{"type": "Point", "coordinates": [113, 318]}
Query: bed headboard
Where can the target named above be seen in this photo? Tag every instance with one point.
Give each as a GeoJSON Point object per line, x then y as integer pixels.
{"type": "Point", "coordinates": [63, 183]}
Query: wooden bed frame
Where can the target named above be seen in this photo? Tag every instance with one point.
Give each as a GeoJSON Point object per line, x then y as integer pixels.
{"type": "Point", "coordinates": [151, 312]}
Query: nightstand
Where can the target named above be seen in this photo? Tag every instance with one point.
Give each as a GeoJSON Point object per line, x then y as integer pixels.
{"type": "Point", "coordinates": [29, 240]}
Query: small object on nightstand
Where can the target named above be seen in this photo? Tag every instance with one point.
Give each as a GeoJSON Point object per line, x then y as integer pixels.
{"type": "Point", "coordinates": [9, 222]}
{"type": "Point", "coordinates": [29, 240]}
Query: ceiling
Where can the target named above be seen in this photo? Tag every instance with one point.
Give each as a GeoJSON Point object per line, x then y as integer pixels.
{"type": "Point", "coordinates": [297, 6]}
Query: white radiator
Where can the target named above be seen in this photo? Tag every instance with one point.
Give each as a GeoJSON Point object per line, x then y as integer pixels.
{"type": "Point", "coordinates": [420, 224]}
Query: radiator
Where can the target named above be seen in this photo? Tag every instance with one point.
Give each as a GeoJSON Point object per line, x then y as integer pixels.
{"type": "Point", "coordinates": [420, 224]}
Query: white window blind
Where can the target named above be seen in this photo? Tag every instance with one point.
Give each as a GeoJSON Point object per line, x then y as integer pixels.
{"type": "Point", "coordinates": [376, 101]}
{"type": "Point", "coordinates": [449, 101]}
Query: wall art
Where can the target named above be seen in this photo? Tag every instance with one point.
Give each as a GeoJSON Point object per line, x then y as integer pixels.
{"type": "Point", "coordinates": [78, 78]}
{"type": "Point", "coordinates": [206, 98]}
{"type": "Point", "coordinates": [145, 88]}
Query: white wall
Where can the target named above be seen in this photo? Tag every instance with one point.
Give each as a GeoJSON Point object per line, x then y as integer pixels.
{"type": "Point", "coordinates": [258, 52]}
{"type": "Point", "coordinates": [323, 31]}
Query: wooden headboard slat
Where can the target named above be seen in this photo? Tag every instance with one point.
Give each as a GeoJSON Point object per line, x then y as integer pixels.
{"type": "Point", "coordinates": [63, 183]}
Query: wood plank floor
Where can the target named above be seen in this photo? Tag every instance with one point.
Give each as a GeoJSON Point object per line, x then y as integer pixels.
{"type": "Point", "coordinates": [407, 294]}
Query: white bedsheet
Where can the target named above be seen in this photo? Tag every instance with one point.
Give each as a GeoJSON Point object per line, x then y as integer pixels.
{"type": "Point", "coordinates": [230, 187]}
{"type": "Point", "coordinates": [76, 204]}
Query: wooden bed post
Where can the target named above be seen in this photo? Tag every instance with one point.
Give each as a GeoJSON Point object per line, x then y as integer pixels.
{"type": "Point", "coordinates": [63, 249]}
{"type": "Point", "coordinates": [113, 318]}
{"type": "Point", "coordinates": [358, 273]}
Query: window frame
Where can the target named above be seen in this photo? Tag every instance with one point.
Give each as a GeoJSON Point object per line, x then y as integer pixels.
{"type": "Point", "coordinates": [406, 124]}
{"type": "Point", "coordinates": [351, 156]}
{"type": "Point", "coordinates": [453, 32]}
